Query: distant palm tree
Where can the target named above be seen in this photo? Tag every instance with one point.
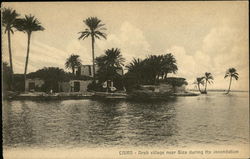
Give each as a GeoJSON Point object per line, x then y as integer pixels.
{"type": "Point", "coordinates": [28, 25]}
{"type": "Point", "coordinates": [199, 80]}
{"type": "Point", "coordinates": [9, 17]}
{"type": "Point", "coordinates": [232, 73]}
{"type": "Point", "coordinates": [95, 28]}
{"type": "Point", "coordinates": [209, 79]}
{"type": "Point", "coordinates": [73, 62]}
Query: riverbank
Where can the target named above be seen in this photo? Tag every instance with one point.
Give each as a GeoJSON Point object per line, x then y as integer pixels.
{"type": "Point", "coordinates": [53, 96]}
{"type": "Point", "coordinates": [92, 95]}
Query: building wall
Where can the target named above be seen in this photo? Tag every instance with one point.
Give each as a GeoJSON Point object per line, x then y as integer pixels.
{"type": "Point", "coordinates": [83, 85]}
{"type": "Point", "coordinates": [38, 83]}
{"type": "Point", "coordinates": [87, 70]}
{"type": "Point", "coordinates": [64, 87]}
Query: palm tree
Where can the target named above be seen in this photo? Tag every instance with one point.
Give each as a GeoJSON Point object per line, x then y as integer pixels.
{"type": "Point", "coordinates": [169, 65]}
{"type": "Point", "coordinates": [199, 80]}
{"type": "Point", "coordinates": [72, 62]}
{"type": "Point", "coordinates": [28, 24]}
{"type": "Point", "coordinates": [209, 79]}
{"type": "Point", "coordinates": [94, 29]}
{"type": "Point", "coordinates": [109, 64]}
{"type": "Point", "coordinates": [114, 58]}
{"type": "Point", "coordinates": [135, 69]}
{"type": "Point", "coordinates": [232, 73]}
{"type": "Point", "coordinates": [9, 17]}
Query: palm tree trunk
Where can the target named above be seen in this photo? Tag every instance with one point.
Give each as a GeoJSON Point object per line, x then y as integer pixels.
{"type": "Point", "coordinates": [10, 56]}
{"type": "Point", "coordinates": [229, 85]}
{"type": "Point", "coordinates": [27, 60]}
{"type": "Point", "coordinates": [199, 88]}
{"type": "Point", "coordinates": [206, 87]}
{"type": "Point", "coordinates": [93, 56]}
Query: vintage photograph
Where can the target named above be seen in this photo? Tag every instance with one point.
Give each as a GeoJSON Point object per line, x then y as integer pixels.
{"type": "Point", "coordinates": [125, 79]}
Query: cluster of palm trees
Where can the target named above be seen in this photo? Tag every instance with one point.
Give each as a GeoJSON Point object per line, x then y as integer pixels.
{"type": "Point", "coordinates": [208, 78]}
{"type": "Point", "coordinates": [27, 24]}
{"type": "Point", "coordinates": [153, 68]}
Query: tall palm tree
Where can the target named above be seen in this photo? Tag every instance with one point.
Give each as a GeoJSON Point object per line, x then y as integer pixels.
{"type": "Point", "coordinates": [232, 73]}
{"type": "Point", "coordinates": [94, 30]}
{"type": "Point", "coordinates": [199, 80]}
{"type": "Point", "coordinates": [9, 17]}
{"type": "Point", "coordinates": [209, 79]}
{"type": "Point", "coordinates": [28, 24]}
{"type": "Point", "coordinates": [72, 62]}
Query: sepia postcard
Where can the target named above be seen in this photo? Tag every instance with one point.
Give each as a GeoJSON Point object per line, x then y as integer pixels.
{"type": "Point", "coordinates": [125, 80]}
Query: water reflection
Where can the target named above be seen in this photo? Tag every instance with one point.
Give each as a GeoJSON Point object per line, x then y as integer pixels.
{"type": "Point", "coordinates": [81, 123]}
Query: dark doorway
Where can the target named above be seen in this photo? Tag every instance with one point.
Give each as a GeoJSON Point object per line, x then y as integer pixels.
{"type": "Point", "coordinates": [31, 86]}
{"type": "Point", "coordinates": [76, 86]}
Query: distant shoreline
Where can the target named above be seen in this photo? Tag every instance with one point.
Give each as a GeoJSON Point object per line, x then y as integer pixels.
{"type": "Point", "coordinates": [218, 90]}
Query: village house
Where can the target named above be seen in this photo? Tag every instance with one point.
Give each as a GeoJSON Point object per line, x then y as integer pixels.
{"type": "Point", "coordinates": [80, 85]}
{"type": "Point", "coordinates": [82, 79]}
{"type": "Point", "coordinates": [34, 84]}
{"type": "Point", "coordinates": [74, 85]}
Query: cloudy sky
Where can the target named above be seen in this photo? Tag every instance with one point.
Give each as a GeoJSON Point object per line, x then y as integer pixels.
{"type": "Point", "coordinates": [203, 36]}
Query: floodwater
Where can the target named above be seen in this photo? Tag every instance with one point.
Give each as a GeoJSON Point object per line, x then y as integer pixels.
{"type": "Point", "coordinates": [214, 119]}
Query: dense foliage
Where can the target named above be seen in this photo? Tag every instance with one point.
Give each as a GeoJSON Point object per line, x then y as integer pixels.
{"type": "Point", "coordinates": [150, 70]}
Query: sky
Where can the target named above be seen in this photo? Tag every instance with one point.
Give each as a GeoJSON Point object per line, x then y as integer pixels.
{"type": "Point", "coordinates": [203, 36]}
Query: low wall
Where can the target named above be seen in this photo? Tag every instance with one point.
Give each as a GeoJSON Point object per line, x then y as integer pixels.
{"type": "Point", "coordinates": [163, 88]}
